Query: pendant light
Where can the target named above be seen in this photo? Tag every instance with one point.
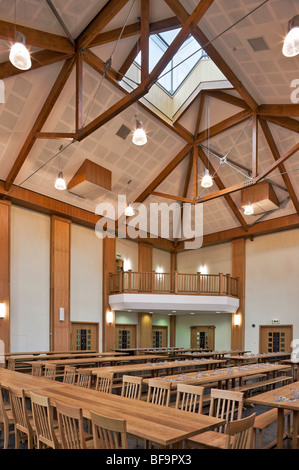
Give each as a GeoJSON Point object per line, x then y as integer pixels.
{"type": "Point", "coordinates": [139, 135]}
{"type": "Point", "coordinates": [248, 209]}
{"type": "Point", "coordinates": [129, 212]}
{"type": "Point", "coordinates": [19, 55]}
{"type": "Point", "coordinates": [291, 42]}
{"type": "Point", "coordinates": [207, 180]}
{"type": "Point", "coordinates": [60, 181]}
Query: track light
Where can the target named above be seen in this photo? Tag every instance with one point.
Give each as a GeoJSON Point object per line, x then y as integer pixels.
{"type": "Point", "coordinates": [129, 210]}
{"type": "Point", "coordinates": [248, 209]}
{"type": "Point", "coordinates": [207, 181]}
{"type": "Point", "coordinates": [60, 182]}
{"type": "Point", "coordinates": [19, 55]}
{"type": "Point", "coordinates": [139, 136]}
{"type": "Point", "coordinates": [291, 42]}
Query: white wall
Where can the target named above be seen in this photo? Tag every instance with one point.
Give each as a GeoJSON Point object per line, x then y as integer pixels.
{"type": "Point", "coordinates": [129, 253]}
{"type": "Point", "coordinates": [30, 280]}
{"type": "Point", "coordinates": [161, 261]}
{"type": "Point", "coordinates": [222, 331]}
{"type": "Point", "coordinates": [86, 277]}
{"type": "Point", "coordinates": [272, 277]}
{"type": "Point", "coordinates": [207, 260]}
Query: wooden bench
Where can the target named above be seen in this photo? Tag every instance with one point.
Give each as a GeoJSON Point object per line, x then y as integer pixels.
{"type": "Point", "coordinates": [262, 383]}
{"type": "Point", "coordinates": [262, 422]}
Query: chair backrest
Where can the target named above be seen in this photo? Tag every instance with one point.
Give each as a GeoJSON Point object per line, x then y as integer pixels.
{"type": "Point", "coordinates": [240, 433]}
{"type": "Point", "coordinates": [42, 412]}
{"type": "Point", "coordinates": [50, 371]}
{"type": "Point", "coordinates": [226, 404]}
{"type": "Point", "coordinates": [37, 369]}
{"type": "Point", "coordinates": [19, 410]}
{"type": "Point", "coordinates": [69, 375]}
{"type": "Point", "coordinates": [131, 387]}
{"type": "Point", "coordinates": [3, 414]}
{"type": "Point", "coordinates": [84, 378]}
{"type": "Point", "coordinates": [158, 392]}
{"type": "Point", "coordinates": [104, 382]}
{"type": "Point", "coordinates": [11, 364]}
{"type": "Point", "coordinates": [70, 424]}
{"type": "Point", "coordinates": [108, 433]}
{"type": "Point", "coordinates": [189, 398]}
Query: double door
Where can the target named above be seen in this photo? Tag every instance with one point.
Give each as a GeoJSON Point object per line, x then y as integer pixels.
{"type": "Point", "coordinates": [84, 336]}
{"type": "Point", "coordinates": [125, 336]}
{"type": "Point", "coordinates": [203, 337]}
{"type": "Point", "coordinates": [275, 338]}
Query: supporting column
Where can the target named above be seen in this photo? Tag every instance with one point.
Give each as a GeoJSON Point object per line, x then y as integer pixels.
{"type": "Point", "coordinates": [238, 270]}
{"type": "Point", "coordinates": [172, 334]}
{"type": "Point", "coordinates": [145, 258]}
{"type": "Point", "coordinates": [109, 256]}
{"type": "Point", "coordinates": [145, 332]}
{"type": "Point", "coordinates": [60, 325]}
{"type": "Point", "coordinates": [5, 211]}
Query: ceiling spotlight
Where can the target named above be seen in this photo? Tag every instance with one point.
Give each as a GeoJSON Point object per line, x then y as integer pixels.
{"type": "Point", "coordinates": [139, 136]}
{"type": "Point", "coordinates": [207, 181]}
{"type": "Point", "coordinates": [19, 55]}
{"type": "Point", "coordinates": [291, 42]}
{"type": "Point", "coordinates": [60, 182]}
{"type": "Point", "coordinates": [129, 210]}
{"type": "Point", "coordinates": [248, 209]}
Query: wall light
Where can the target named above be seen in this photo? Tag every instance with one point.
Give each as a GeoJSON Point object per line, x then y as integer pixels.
{"type": "Point", "coordinates": [2, 310]}
{"type": "Point", "coordinates": [109, 317]}
{"type": "Point", "coordinates": [237, 319]}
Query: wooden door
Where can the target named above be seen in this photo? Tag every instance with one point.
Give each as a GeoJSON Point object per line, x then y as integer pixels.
{"type": "Point", "coordinates": [160, 336]}
{"type": "Point", "coordinates": [203, 337]}
{"type": "Point", "coordinates": [84, 336]}
{"type": "Point", "coordinates": [125, 336]}
{"type": "Point", "coordinates": [275, 338]}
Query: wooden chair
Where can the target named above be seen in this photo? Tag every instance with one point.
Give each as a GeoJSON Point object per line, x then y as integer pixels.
{"type": "Point", "coordinates": [131, 387]}
{"type": "Point", "coordinates": [37, 369]}
{"type": "Point", "coordinates": [108, 433]}
{"type": "Point", "coordinates": [158, 392]}
{"type": "Point", "coordinates": [42, 411]}
{"type": "Point", "coordinates": [189, 398]}
{"type": "Point", "coordinates": [224, 404]}
{"type": "Point", "coordinates": [104, 382]}
{"type": "Point", "coordinates": [71, 430]}
{"type": "Point", "coordinates": [6, 419]}
{"type": "Point", "coordinates": [69, 375]}
{"type": "Point", "coordinates": [239, 433]}
{"type": "Point", "coordinates": [23, 422]}
{"type": "Point", "coordinates": [84, 378]}
{"type": "Point", "coordinates": [50, 371]}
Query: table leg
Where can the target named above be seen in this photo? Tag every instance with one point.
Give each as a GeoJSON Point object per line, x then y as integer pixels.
{"type": "Point", "coordinates": [280, 427]}
{"type": "Point", "coordinates": [295, 429]}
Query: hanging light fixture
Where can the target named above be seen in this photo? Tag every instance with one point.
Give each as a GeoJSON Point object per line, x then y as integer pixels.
{"type": "Point", "coordinates": [248, 209]}
{"type": "Point", "coordinates": [139, 135]}
{"type": "Point", "coordinates": [60, 182]}
{"type": "Point", "coordinates": [207, 181]}
{"type": "Point", "coordinates": [129, 212]}
{"type": "Point", "coordinates": [19, 55]}
{"type": "Point", "coordinates": [291, 42]}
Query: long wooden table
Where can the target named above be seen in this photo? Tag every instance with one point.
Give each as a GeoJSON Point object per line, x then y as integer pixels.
{"type": "Point", "coordinates": [156, 367]}
{"type": "Point", "coordinates": [159, 424]}
{"type": "Point", "coordinates": [232, 374]}
{"type": "Point", "coordinates": [268, 399]}
{"type": "Point", "coordinates": [259, 357]}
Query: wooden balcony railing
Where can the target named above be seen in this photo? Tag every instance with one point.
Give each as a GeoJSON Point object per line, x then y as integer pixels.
{"type": "Point", "coordinates": [173, 283]}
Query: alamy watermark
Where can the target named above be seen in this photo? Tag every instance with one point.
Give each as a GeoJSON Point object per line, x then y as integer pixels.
{"type": "Point", "coordinates": [295, 93]}
{"type": "Point", "coordinates": [171, 221]}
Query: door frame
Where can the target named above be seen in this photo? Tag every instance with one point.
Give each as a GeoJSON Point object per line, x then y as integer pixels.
{"type": "Point", "coordinates": [261, 327]}
{"type": "Point", "coordinates": [165, 328]}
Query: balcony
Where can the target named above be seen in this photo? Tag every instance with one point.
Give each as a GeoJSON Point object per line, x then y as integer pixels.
{"type": "Point", "coordinates": [173, 291]}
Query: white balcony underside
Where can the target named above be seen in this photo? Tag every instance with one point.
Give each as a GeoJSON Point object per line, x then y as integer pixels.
{"type": "Point", "coordinates": [167, 303]}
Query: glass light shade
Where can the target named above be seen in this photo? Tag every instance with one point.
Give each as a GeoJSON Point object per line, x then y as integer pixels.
{"type": "Point", "coordinates": [237, 319]}
{"type": "Point", "coordinates": [19, 56]}
{"type": "Point", "coordinates": [139, 136]}
{"type": "Point", "coordinates": [2, 310]}
{"type": "Point", "coordinates": [129, 210]}
{"type": "Point", "coordinates": [248, 209]}
{"type": "Point", "coordinates": [207, 181]}
{"type": "Point", "coordinates": [291, 42]}
{"type": "Point", "coordinates": [109, 317]}
{"type": "Point", "coordinates": [60, 182]}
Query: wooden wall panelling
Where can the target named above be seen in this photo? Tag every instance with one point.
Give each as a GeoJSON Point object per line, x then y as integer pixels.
{"type": "Point", "coordinates": [145, 258]}
{"type": "Point", "coordinates": [238, 270]}
{"type": "Point", "coordinates": [60, 331]}
{"type": "Point", "coordinates": [145, 338]}
{"type": "Point", "coordinates": [108, 329]}
{"type": "Point", "coordinates": [5, 214]}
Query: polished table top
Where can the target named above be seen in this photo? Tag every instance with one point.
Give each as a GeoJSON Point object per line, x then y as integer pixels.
{"type": "Point", "coordinates": [99, 360]}
{"type": "Point", "coordinates": [259, 357]}
{"type": "Point", "coordinates": [159, 424]}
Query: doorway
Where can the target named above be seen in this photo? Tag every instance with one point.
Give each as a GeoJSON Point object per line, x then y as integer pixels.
{"type": "Point", "coordinates": [125, 336]}
{"type": "Point", "coordinates": [160, 336]}
{"type": "Point", "coordinates": [203, 337]}
{"type": "Point", "coordinates": [275, 338]}
{"type": "Point", "coordinates": [84, 336]}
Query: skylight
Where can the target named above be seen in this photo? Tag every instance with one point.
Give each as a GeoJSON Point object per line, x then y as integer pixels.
{"type": "Point", "coordinates": [173, 75]}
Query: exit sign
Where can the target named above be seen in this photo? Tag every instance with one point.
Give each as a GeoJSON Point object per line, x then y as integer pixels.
{"type": "Point", "coordinates": [275, 322]}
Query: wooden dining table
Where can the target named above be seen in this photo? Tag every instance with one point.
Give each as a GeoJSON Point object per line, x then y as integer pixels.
{"type": "Point", "coordinates": [259, 357]}
{"type": "Point", "coordinates": [161, 425]}
{"type": "Point", "coordinates": [233, 374]}
{"type": "Point", "coordinates": [286, 403]}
